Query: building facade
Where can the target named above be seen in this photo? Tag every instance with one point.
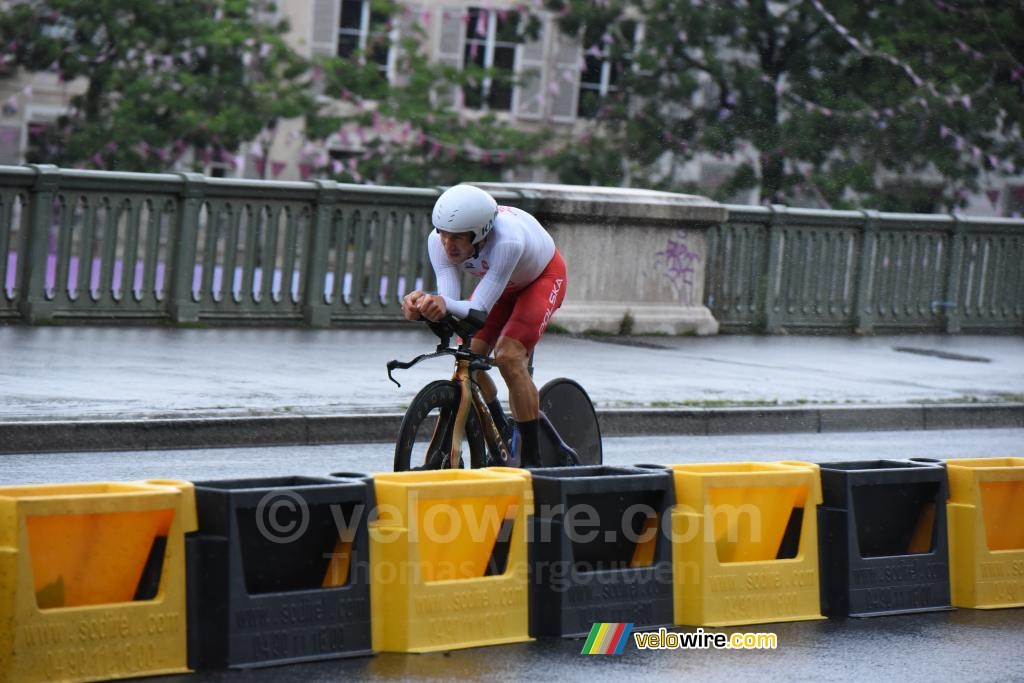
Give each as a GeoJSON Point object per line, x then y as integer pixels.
{"type": "Point", "coordinates": [558, 85]}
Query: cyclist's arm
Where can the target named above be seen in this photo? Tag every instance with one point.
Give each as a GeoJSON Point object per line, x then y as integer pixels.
{"type": "Point", "coordinates": [503, 262]}
{"type": "Point", "coordinates": [448, 275]}
{"type": "Point", "coordinates": [417, 305]}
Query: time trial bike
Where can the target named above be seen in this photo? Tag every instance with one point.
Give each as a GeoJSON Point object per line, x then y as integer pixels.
{"type": "Point", "coordinates": [447, 415]}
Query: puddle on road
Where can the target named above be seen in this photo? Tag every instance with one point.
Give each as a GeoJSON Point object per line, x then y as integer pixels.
{"type": "Point", "coordinates": [945, 355]}
{"type": "Point", "coordinates": [628, 341]}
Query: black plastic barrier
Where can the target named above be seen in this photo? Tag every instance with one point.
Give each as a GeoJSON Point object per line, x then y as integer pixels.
{"type": "Point", "coordinates": [279, 571]}
{"type": "Point", "coordinates": [882, 538]}
{"type": "Point", "coordinates": [600, 550]}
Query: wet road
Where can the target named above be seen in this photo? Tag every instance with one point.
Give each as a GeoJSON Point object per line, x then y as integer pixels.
{"type": "Point", "coordinates": [226, 463]}
{"type": "Point", "coordinates": [970, 645]}
{"type": "Point", "coordinates": [79, 373]}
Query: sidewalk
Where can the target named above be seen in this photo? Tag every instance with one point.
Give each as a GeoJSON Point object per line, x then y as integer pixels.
{"type": "Point", "coordinates": [113, 388]}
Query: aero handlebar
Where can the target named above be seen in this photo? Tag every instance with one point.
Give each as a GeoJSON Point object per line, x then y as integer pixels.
{"type": "Point", "coordinates": [444, 329]}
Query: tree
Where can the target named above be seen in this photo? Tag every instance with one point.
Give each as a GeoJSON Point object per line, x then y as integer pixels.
{"type": "Point", "coordinates": [162, 76]}
{"type": "Point", "coordinates": [809, 99]}
{"type": "Point", "coordinates": [413, 131]}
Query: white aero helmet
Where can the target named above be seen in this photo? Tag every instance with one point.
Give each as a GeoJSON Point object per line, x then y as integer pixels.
{"type": "Point", "coordinates": [464, 208]}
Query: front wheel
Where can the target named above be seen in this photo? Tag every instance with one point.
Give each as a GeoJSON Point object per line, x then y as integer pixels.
{"type": "Point", "coordinates": [425, 437]}
{"type": "Point", "coordinates": [570, 411]}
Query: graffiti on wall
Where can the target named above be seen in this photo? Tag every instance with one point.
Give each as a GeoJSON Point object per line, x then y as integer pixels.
{"type": "Point", "coordinates": [678, 263]}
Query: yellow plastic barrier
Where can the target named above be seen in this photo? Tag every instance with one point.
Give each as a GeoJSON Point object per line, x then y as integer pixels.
{"type": "Point", "coordinates": [92, 583]}
{"type": "Point", "coordinates": [448, 559]}
{"type": "Point", "coordinates": [745, 543]}
{"type": "Point", "coordinates": [986, 532]}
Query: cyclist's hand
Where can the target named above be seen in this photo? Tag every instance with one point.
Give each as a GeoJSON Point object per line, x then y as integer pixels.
{"type": "Point", "coordinates": [432, 307]}
{"type": "Point", "coordinates": [409, 305]}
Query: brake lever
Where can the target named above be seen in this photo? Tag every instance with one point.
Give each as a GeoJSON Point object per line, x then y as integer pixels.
{"type": "Point", "coordinates": [443, 329]}
{"type": "Point", "coordinates": [396, 365]}
{"type": "Point", "coordinates": [400, 365]}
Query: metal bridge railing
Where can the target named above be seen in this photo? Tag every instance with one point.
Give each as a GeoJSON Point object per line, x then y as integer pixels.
{"type": "Point", "coordinates": [184, 248]}
{"type": "Point", "coordinates": [775, 268]}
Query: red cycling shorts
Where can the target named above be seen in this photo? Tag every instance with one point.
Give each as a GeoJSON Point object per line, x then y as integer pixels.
{"type": "Point", "coordinates": [524, 314]}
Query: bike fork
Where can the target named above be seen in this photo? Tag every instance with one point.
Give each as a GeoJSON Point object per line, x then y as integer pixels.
{"type": "Point", "coordinates": [459, 428]}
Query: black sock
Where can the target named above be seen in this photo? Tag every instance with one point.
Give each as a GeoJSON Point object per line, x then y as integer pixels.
{"type": "Point", "coordinates": [498, 414]}
{"type": "Point", "coordinates": [528, 432]}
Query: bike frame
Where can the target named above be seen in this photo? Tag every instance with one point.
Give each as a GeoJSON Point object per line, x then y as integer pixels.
{"type": "Point", "coordinates": [471, 397]}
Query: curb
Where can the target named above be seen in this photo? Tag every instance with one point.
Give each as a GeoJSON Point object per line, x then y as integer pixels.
{"type": "Point", "coordinates": [224, 432]}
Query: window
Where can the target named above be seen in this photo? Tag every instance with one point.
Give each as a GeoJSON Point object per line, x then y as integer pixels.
{"type": "Point", "coordinates": [491, 40]}
{"type": "Point", "coordinates": [264, 12]}
{"type": "Point", "coordinates": [361, 28]}
{"type": "Point", "coordinates": [1014, 201]}
{"type": "Point", "coordinates": [10, 145]}
{"type": "Point", "coordinates": [600, 77]}
{"type": "Point", "coordinates": [44, 143]}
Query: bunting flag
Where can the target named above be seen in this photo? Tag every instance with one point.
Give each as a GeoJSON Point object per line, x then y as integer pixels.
{"type": "Point", "coordinates": [607, 638]}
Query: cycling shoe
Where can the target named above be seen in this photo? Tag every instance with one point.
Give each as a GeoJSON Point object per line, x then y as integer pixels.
{"type": "Point", "coordinates": [515, 447]}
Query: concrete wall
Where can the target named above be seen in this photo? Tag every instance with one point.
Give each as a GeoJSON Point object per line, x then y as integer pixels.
{"type": "Point", "coordinates": [629, 252]}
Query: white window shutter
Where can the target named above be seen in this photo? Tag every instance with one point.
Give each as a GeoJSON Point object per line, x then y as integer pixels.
{"type": "Point", "coordinates": [326, 18]}
{"type": "Point", "coordinates": [449, 49]}
{"type": "Point", "coordinates": [529, 95]}
{"type": "Point", "coordinates": [564, 84]}
{"type": "Point", "coordinates": [10, 147]}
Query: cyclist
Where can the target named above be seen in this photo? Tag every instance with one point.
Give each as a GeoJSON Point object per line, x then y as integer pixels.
{"type": "Point", "coordinates": [522, 283]}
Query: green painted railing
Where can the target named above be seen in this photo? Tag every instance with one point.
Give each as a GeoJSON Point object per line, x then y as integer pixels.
{"type": "Point", "coordinates": [775, 268]}
{"type": "Point", "coordinates": [185, 248]}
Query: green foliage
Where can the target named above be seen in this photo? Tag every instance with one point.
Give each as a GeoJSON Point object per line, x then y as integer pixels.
{"type": "Point", "coordinates": [593, 161]}
{"type": "Point", "coordinates": [162, 76]}
{"type": "Point", "coordinates": [815, 98]}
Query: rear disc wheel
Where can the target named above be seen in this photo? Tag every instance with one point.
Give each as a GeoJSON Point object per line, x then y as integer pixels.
{"type": "Point", "coordinates": [571, 412]}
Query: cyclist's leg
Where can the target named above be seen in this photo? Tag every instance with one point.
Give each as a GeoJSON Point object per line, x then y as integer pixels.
{"type": "Point", "coordinates": [512, 359]}
{"type": "Point", "coordinates": [490, 391]}
{"type": "Point", "coordinates": [531, 313]}
{"type": "Point", "coordinates": [483, 343]}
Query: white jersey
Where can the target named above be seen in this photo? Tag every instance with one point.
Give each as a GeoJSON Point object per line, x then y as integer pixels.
{"type": "Point", "coordinates": [516, 252]}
